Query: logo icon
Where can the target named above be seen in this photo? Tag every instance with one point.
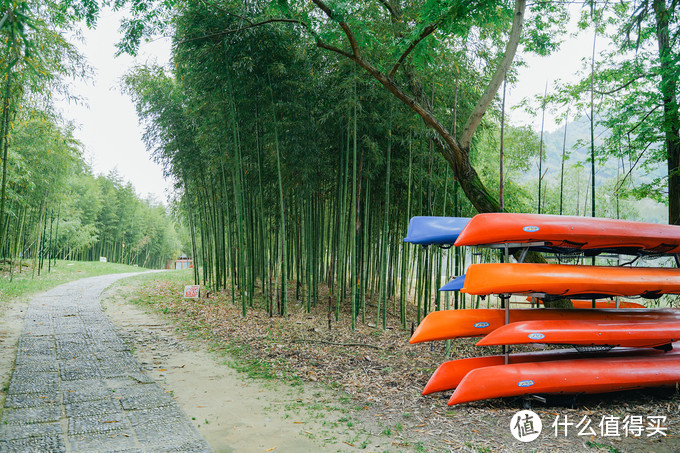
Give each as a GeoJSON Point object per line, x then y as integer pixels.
{"type": "Point", "coordinates": [536, 336]}
{"type": "Point", "coordinates": [526, 383]}
{"type": "Point", "coordinates": [526, 426]}
{"type": "Point", "coordinates": [481, 325]}
{"type": "Point", "coordinates": [531, 229]}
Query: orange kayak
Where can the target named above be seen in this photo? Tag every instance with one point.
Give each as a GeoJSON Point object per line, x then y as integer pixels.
{"type": "Point", "coordinates": [449, 374]}
{"type": "Point", "coordinates": [584, 282]}
{"type": "Point", "coordinates": [591, 375]}
{"type": "Point", "coordinates": [449, 324]}
{"type": "Point", "coordinates": [633, 333]}
{"type": "Point", "coordinates": [571, 233]}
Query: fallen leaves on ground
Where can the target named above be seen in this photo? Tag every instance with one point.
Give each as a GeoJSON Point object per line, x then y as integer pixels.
{"type": "Point", "coordinates": [383, 373]}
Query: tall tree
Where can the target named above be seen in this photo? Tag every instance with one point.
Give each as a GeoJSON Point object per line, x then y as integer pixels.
{"type": "Point", "coordinates": [353, 32]}
{"type": "Point", "coordinates": [666, 18]}
{"type": "Point", "coordinates": [637, 85]}
{"type": "Point", "coordinates": [33, 58]}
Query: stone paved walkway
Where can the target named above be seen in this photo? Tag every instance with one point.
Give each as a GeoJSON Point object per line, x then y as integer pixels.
{"type": "Point", "coordinates": [77, 388]}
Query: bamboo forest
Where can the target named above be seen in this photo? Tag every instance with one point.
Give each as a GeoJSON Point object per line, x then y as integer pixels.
{"type": "Point", "coordinates": [340, 225]}
{"type": "Point", "coordinates": [302, 136]}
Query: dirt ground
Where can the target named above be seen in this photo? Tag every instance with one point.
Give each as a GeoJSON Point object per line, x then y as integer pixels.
{"type": "Point", "coordinates": [353, 390]}
{"type": "Point", "coordinates": [233, 413]}
{"type": "Point", "coordinates": [11, 323]}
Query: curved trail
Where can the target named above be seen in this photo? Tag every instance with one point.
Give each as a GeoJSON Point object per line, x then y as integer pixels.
{"type": "Point", "coordinates": [76, 387]}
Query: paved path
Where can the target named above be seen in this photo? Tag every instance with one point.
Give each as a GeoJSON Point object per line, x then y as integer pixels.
{"type": "Point", "coordinates": [77, 388]}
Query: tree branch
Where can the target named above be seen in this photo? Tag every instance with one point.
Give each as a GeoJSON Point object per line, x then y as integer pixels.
{"type": "Point", "coordinates": [240, 29]}
{"type": "Point", "coordinates": [632, 167]}
{"type": "Point", "coordinates": [393, 11]}
{"type": "Point", "coordinates": [427, 32]}
{"type": "Point", "coordinates": [617, 89]}
{"type": "Point", "coordinates": [451, 150]}
{"type": "Point", "coordinates": [644, 118]}
{"type": "Point", "coordinates": [448, 145]}
{"type": "Point", "coordinates": [483, 104]}
{"type": "Point", "coordinates": [350, 36]}
{"type": "Point", "coordinates": [326, 46]}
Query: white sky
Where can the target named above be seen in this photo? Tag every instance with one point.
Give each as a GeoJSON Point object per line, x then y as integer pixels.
{"type": "Point", "coordinates": [108, 126]}
{"type": "Point", "coordinates": [575, 51]}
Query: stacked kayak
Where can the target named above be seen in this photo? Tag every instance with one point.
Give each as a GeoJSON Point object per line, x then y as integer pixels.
{"type": "Point", "coordinates": [449, 375]}
{"type": "Point", "coordinates": [555, 233]}
{"type": "Point", "coordinates": [616, 348]}
{"type": "Point", "coordinates": [450, 324]}
{"type": "Point", "coordinates": [430, 230]}
{"type": "Point", "coordinates": [582, 282]}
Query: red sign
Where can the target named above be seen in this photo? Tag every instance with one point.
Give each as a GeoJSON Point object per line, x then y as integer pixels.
{"type": "Point", "coordinates": [191, 291]}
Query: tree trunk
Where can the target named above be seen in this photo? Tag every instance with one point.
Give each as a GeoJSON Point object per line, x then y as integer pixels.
{"type": "Point", "coordinates": [564, 150]}
{"type": "Point", "coordinates": [455, 151]}
{"type": "Point", "coordinates": [592, 124]}
{"type": "Point", "coordinates": [671, 116]}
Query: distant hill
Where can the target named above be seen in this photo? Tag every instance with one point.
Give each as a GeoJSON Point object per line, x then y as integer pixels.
{"type": "Point", "coordinates": [578, 152]}
{"type": "Point", "coordinates": [579, 132]}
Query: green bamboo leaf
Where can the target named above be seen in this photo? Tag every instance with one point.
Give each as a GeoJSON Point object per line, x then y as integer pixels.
{"type": "Point", "coordinates": [4, 19]}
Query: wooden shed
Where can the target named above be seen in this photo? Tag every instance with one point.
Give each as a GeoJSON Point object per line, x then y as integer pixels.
{"type": "Point", "coordinates": [180, 263]}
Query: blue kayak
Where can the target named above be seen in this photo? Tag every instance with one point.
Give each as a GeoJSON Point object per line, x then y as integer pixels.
{"type": "Point", "coordinates": [430, 230]}
{"type": "Point", "coordinates": [454, 285]}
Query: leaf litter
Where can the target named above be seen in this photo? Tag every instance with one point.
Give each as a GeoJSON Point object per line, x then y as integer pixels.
{"type": "Point", "coordinates": [383, 377]}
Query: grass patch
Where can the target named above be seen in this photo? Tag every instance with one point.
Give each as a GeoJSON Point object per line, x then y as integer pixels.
{"type": "Point", "coordinates": [24, 284]}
